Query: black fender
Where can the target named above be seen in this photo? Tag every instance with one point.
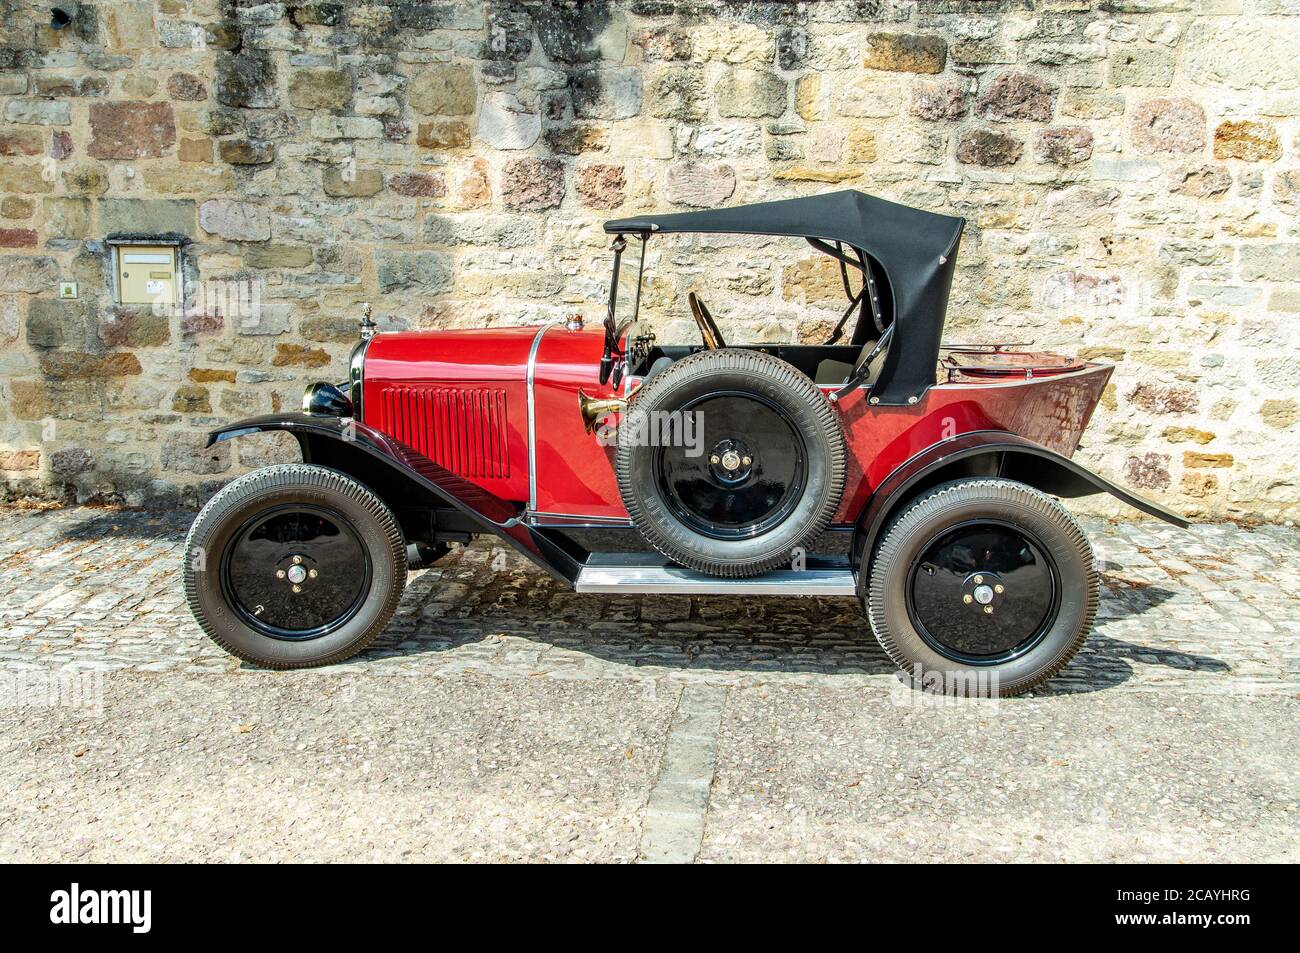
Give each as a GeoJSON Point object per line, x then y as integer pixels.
{"type": "Point", "coordinates": [397, 473]}
{"type": "Point", "coordinates": [992, 453]}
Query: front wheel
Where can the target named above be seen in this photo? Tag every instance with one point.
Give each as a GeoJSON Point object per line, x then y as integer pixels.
{"type": "Point", "coordinates": [293, 566]}
{"type": "Point", "coordinates": [982, 587]}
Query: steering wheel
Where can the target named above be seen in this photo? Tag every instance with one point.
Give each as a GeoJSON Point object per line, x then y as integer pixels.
{"type": "Point", "coordinates": [704, 319]}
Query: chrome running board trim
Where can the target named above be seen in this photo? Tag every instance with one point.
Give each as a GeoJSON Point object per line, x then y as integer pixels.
{"type": "Point", "coordinates": [608, 576]}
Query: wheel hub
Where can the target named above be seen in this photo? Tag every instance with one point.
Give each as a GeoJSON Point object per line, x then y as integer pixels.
{"type": "Point", "coordinates": [983, 592]}
{"type": "Point", "coordinates": [271, 571]}
{"type": "Point", "coordinates": [747, 482]}
{"type": "Point", "coordinates": [731, 461]}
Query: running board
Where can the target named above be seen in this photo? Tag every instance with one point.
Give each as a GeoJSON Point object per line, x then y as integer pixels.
{"type": "Point", "coordinates": [635, 573]}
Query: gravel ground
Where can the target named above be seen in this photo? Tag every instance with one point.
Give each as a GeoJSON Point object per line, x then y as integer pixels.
{"type": "Point", "coordinates": [503, 718]}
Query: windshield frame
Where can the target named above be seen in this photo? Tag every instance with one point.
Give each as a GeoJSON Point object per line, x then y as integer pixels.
{"type": "Point", "coordinates": [620, 245]}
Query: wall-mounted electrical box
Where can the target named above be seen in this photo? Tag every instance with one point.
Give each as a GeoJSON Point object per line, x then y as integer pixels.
{"type": "Point", "coordinates": [146, 274]}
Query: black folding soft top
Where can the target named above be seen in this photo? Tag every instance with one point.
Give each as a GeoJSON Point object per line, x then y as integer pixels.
{"type": "Point", "coordinates": [917, 251]}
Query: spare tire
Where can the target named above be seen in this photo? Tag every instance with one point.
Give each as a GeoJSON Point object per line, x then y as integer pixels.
{"type": "Point", "coordinates": [730, 459]}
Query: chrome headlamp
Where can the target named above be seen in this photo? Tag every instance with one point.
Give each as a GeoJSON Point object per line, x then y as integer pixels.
{"type": "Point", "coordinates": [326, 400]}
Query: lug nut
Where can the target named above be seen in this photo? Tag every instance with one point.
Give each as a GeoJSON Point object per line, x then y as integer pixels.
{"type": "Point", "coordinates": [988, 609]}
{"type": "Point", "coordinates": [298, 559]}
{"type": "Point", "coordinates": [715, 459]}
{"type": "Point", "coordinates": [746, 460]}
{"type": "Point", "coordinates": [279, 574]}
{"type": "Point", "coordinates": [967, 599]}
{"type": "Point", "coordinates": [978, 579]}
{"type": "Point", "coordinates": [297, 588]}
{"type": "Point", "coordinates": [999, 588]}
{"type": "Point", "coordinates": [312, 573]}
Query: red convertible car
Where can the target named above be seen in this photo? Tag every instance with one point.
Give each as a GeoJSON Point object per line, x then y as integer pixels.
{"type": "Point", "coordinates": [877, 465]}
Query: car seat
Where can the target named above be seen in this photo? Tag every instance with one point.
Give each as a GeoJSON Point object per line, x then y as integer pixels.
{"type": "Point", "coordinates": [831, 372]}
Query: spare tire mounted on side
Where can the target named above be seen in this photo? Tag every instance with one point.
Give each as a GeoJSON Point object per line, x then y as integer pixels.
{"type": "Point", "coordinates": [729, 460]}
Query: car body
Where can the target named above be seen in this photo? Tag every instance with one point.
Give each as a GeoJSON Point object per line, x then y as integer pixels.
{"type": "Point", "coordinates": [506, 432]}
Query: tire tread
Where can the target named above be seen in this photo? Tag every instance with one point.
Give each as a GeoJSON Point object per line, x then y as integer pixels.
{"type": "Point", "coordinates": [281, 476]}
{"type": "Point", "coordinates": [1009, 491]}
{"type": "Point", "coordinates": [745, 362]}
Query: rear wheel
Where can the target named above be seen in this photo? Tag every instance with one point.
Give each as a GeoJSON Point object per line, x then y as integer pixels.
{"type": "Point", "coordinates": [982, 587]}
{"type": "Point", "coordinates": [293, 566]}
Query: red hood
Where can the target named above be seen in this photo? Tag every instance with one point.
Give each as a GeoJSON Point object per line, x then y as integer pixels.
{"type": "Point", "coordinates": [491, 354]}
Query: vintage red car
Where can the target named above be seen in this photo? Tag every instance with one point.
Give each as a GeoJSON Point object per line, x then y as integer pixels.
{"type": "Point", "coordinates": [877, 466]}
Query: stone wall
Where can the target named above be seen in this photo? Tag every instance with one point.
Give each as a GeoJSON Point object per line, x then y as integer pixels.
{"type": "Point", "coordinates": [1128, 169]}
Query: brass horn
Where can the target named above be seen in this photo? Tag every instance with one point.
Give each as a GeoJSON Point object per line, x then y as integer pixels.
{"type": "Point", "coordinates": [592, 409]}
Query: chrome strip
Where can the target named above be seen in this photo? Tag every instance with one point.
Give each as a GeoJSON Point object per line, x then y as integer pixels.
{"type": "Point", "coordinates": [672, 579]}
{"type": "Point", "coordinates": [357, 375]}
{"type": "Point", "coordinates": [533, 516]}
{"type": "Point", "coordinates": [532, 419]}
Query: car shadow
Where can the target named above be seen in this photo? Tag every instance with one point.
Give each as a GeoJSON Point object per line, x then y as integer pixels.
{"type": "Point", "coordinates": [462, 601]}
{"type": "Point", "coordinates": [447, 608]}
{"type": "Point", "coordinates": [130, 524]}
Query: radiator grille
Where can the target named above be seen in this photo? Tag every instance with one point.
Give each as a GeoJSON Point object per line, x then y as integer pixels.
{"type": "Point", "coordinates": [462, 429]}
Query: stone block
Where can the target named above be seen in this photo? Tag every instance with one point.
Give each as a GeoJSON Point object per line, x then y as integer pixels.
{"type": "Point", "coordinates": [350, 182]}
{"type": "Point", "coordinates": [1172, 124]}
{"type": "Point", "coordinates": [988, 147]}
{"type": "Point", "coordinates": [19, 141]}
{"type": "Point", "coordinates": [246, 79]}
{"type": "Point", "coordinates": [906, 53]}
{"type": "Point", "coordinates": [247, 152]}
{"type": "Point", "coordinates": [1247, 141]}
{"type": "Point", "coordinates": [1016, 96]}
{"type": "Point", "coordinates": [505, 123]}
{"type": "Point", "coordinates": [443, 134]}
{"type": "Point", "coordinates": [320, 89]}
{"type": "Point", "coordinates": [186, 88]}
{"type": "Point", "coordinates": [185, 452]}
{"type": "Point", "coordinates": [28, 274]}
{"type": "Point", "coordinates": [531, 184]}
{"type": "Point", "coordinates": [235, 221]}
{"type": "Point", "coordinates": [751, 94]}
{"type": "Point", "coordinates": [615, 93]}
{"type": "Point", "coordinates": [426, 272]}
{"type": "Point", "coordinates": [601, 186]}
{"type": "Point", "coordinates": [130, 130]}
{"type": "Point", "coordinates": [443, 90]}
{"type": "Point", "coordinates": [419, 184]}
{"type": "Point", "coordinates": [1142, 66]}
{"type": "Point", "coordinates": [702, 186]}
{"type": "Point", "coordinates": [39, 112]}
{"type": "Point", "coordinates": [945, 99]}
{"type": "Point", "coordinates": [1065, 145]}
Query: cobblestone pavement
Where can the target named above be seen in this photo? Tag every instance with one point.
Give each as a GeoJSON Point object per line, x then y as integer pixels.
{"type": "Point", "coordinates": [502, 717]}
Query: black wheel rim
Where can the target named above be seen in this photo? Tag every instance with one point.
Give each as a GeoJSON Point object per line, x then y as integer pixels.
{"type": "Point", "coordinates": [312, 548]}
{"type": "Point", "coordinates": [706, 493]}
{"type": "Point", "coordinates": [983, 592]}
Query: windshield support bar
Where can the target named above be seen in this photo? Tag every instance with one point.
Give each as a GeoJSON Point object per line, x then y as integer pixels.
{"type": "Point", "coordinates": [611, 329]}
